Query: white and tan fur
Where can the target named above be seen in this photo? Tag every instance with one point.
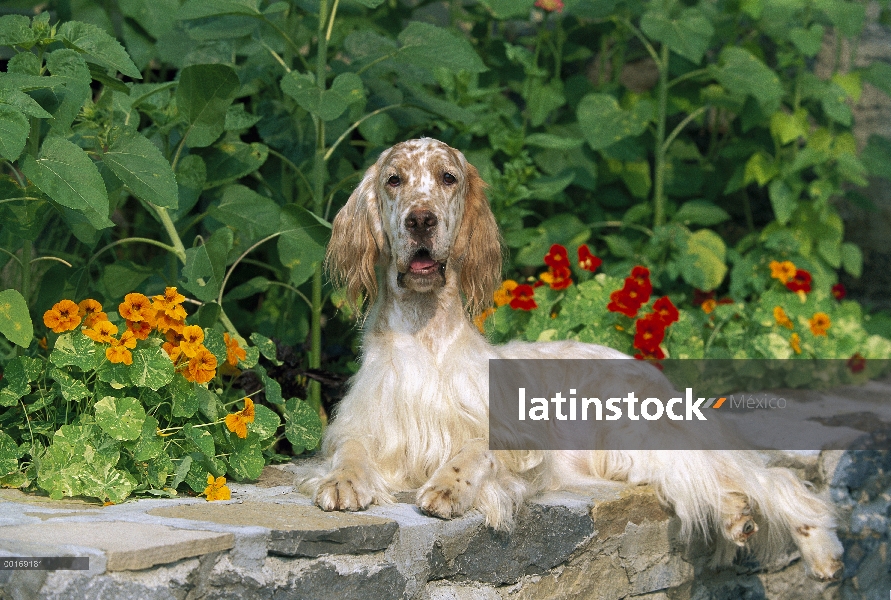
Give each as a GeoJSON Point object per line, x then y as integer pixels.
{"type": "Point", "coordinates": [416, 414]}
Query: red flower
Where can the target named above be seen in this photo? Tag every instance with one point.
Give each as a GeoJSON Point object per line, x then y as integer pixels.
{"type": "Point", "coordinates": [634, 294]}
{"type": "Point", "coordinates": [559, 278]}
{"type": "Point", "coordinates": [641, 276]}
{"type": "Point", "coordinates": [699, 296]}
{"type": "Point", "coordinates": [657, 354]}
{"type": "Point", "coordinates": [588, 261]}
{"type": "Point", "coordinates": [667, 311]}
{"type": "Point", "coordinates": [857, 363]}
{"type": "Point", "coordinates": [839, 292]}
{"type": "Point", "coordinates": [621, 302]}
{"type": "Point", "coordinates": [523, 297]}
{"type": "Point", "coordinates": [557, 257]}
{"type": "Point", "coordinates": [800, 282]}
{"type": "Point", "coordinates": [650, 333]}
{"type": "Point", "coordinates": [550, 5]}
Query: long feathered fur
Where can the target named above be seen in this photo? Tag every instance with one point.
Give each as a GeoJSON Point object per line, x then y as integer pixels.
{"type": "Point", "coordinates": [416, 414]}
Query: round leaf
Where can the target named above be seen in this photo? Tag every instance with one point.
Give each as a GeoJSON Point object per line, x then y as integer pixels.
{"type": "Point", "coordinates": [15, 321]}
{"type": "Point", "coordinates": [121, 418]}
{"type": "Point", "coordinates": [303, 427]}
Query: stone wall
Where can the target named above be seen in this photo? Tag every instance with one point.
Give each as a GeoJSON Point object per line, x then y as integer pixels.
{"type": "Point", "coordinates": [613, 542]}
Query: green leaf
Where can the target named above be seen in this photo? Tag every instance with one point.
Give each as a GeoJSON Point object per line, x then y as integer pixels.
{"type": "Point", "coordinates": [557, 142]}
{"type": "Point", "coordinates": [182, 470]}
{"type": "Point", "coordinates": [789, 127]}
{"type": "Point", "coordinates": [271, 388]}
{"type": "Point", "coordinates": [208, 403]}
{"type": "Point", "coordinates": [604, 123]}
{"type": "Point", "coordinates": [702, 264]}
{"type": "Point", "coordinates": [508, 9]}
{"type": "Point", "coordinates": [425, 45]}
{"type": "Point", "coordinates": [783, 200]}
{"type": "Point", "coordinates": [216, 344]}
{"type": "Point", "coordinates": [808, 41]}
{"type": "Point", "coordinates": [878, 74]}
{"type": "Point", "coordinates": [9, 454]}
{"type": "Point", "coordinates": [699, 212]}
{"type": "Point", "coordinates": [151, 368]}
{"type": "Point", "coordinates": [266, 422]}
{"type": "Point", "coordinates": [303, 428]}
{"type": "Point", "coordinates": [252, 215]}
{"type": "Point", "coordinates": [200, 9]}
{"type": "Point", "coordinates": [346, 89]}
{"type": "Point", "coordinates": [760, 168]}
{"type": "Point", "coordinates": [72, 389]}
{"type": "Point", "coordinates": [74, 348]}
{"type": "Point", "coordinates": [228, 161]}
{"type": "Point", "coordinates": [15, 30]}
{"type": "Point", "coordinates": [100, 46]}
{"type": "Point", "coordinates": [14, 129]}
{"type": "Point", "coordinates": [255, 285]}
{"type": "Point", "coordinates": [206, 265]}
{"type": "Point", "coordinates": [688, 35]}
{"type": "Point", "coordinates": [141, 167]}
{"type": "Point", "coordinates": [203, 96]}
{"type": "Point", "coordinates": [266, 346]}
{"type": "Point", "coordinates": [852, 259]}
{"type": "Point", "coordinates": [743, 74]}
{"type": "Point", "coordinates": [184, 399]}
{"type": "Point", "coordinates": [542, 99]}
{"type": "Point", "coordinates": [66, 174]}
{"type": "Point", "coordinates": [121, 418]}
{"type": "Point", "coordinates": [246, 460]}
{"type": "Point", "coordinates": [301, 247]}
{"type": "Point", "coordinates": [23, 102]}
{"type": "Point", "coordinates": [202, 439]}
{"type": "Point", "coordinates": [15, 320]}
{"type": "Point", "coordinates": [237, 118]}
{"type": "Point", "coordinates": [102, 480]}
{"type": "Point", "coordinates": [150, 444]}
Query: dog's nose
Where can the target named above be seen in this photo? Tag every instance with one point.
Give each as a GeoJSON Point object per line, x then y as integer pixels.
{"type": "Point", "coordinates": [420, 221]}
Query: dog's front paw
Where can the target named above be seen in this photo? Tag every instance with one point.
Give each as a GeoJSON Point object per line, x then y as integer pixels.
{"type": "Point", "coordinates": [343, 490]}
{"type": "Point", "coordinates": [447, 495]}
{"type": "Point", "coordinates": [821, 550]}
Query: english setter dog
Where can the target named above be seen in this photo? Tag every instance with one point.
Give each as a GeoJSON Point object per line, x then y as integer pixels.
{"type": "Point", "coordinates": [418, 242]}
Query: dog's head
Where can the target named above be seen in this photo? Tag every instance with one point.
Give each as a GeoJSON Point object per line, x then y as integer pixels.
{"type": "Point", "coordinates": [421, 208]}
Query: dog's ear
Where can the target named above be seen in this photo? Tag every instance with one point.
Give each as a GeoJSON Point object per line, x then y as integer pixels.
{"type": "Point", "coordinates": [357, 243]}
{"type": "Point", "coordinates": [478, 246]}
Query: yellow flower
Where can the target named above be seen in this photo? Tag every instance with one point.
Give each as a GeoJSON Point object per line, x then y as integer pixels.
{"type": "Point", "coordinates": [784, 271]}
{"type": "Point", "coordinates": [91, 310]}
{"type": "Point", "coordinates": [795, 342]}
{"type": "Point", "coordinates": [117, 353]}
{"type": "Point", "coordinates": [820, 322]}
{"type": "Point", "coordinates": [193, 337]}
{"type": "Point", "coordinates": [480, 319]}
{"type": "Point", "coordinates": [781, 317]}
{"type": "Point", "coordinates": [102, 332]}
{"type": "Point", "coordinates": [63, 316]}
{"type": "Point", "coordinates": [216, 489]}
{"type": "Point", "coordinates": [136, 307]}
{"type": "Point", "coordinates": [202, 367]}
{"type": "Point", "coordinates": [709, 305]}
{"type": "Point", "coordinates": [170, 303]}
{"type": "Point", "coordinates": [503, 294]}
{"type": "Point", "coordinates": [234, 352]}
{"type": "Point", "coordinates": [237, 422]}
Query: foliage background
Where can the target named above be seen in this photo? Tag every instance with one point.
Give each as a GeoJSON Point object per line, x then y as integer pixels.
{"type": "Point", "coordinates": [208, 144]}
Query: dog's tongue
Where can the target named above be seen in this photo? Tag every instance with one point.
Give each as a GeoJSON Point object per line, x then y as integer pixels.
{"type": "Point", "coordinates": [421, 264]}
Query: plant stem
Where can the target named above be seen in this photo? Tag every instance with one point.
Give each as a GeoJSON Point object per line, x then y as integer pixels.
{"type": "Point", "coordinates": [179, 248]}
{"type": "Point", "coordinates": [319, 172]}
{"type": "Point", "coordinates": [659, 183]}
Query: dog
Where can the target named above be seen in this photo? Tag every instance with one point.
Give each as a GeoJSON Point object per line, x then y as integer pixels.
{"type": "Point", "coordinates": [418, 247]}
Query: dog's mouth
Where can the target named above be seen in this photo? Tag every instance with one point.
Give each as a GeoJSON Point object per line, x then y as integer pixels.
{"type": "Point", "coordinates": [422, 263]}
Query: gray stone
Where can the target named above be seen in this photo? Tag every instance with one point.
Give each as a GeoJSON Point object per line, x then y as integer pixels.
{"type": "Point", "coordinates": [295, 530]}
{"type": "Point", "coordinates": [342, 580]}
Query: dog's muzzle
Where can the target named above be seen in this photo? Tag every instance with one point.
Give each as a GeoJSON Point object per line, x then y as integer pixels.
{"type": "Point", "coordinates": [422, 266]}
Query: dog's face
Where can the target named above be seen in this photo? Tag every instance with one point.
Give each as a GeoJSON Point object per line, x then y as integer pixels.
{"type": "Point", "coordinates": [420, 211]}
{"type": "Point", "coordinates": [421, 186]}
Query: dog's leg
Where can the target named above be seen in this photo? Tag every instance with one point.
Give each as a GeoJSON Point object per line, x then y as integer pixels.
{"type": "Point", "coordinates": [474, 478]}
{"type": "Point", "coordinates": [353, 482]}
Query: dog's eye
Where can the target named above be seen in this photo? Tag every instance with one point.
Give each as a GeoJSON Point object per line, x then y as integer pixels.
{"type": "Point", "coordinates": [394, 181]}
{"type": "Point", "coordinates": [448, 178]}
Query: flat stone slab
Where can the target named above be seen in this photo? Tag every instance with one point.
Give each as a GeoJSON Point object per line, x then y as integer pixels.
{"type": "Point", "coordinates": [128, 546]}
{"type": "Point", "coordinates": [295, 530]}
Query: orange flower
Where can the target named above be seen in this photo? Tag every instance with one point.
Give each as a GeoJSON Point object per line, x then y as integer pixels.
{"type": "Point", "coordinates": [795, 342]}
{"type": "Point", "coordinates": [558, 278]}
{"type": "Point", "coordinates": [234, 352]}
{"type": "Point", "coordinates": [141, 329]}
{"type": "Point", "coordinates": [63, 316]}
{"type": "Point", "coordinates": [781, 317]}
{"type": "Point", "coordinates": [91, 310]}
{"type": "Point", "coordinates": [202, 367]}
{"type": "Point", "coordinates": [709, 305]}
{"type": "Point", "coordinates": [173, 351]}
{"type": "Point", "coordinates": [237, 422]}
{"type": "Point", "coordinates": [504, 295]}
{"type": "Point", "coordinates": [164, 324]}
{"type": "Point", "coordinates": [819, 323]}
{"type": "Point", "coordinates": [170, 303]}
{"type": "Point", "coordinates": [102, 332]}
{"type": "Point", "coordinates": [193, 337]}
{"type": "Point", "coordinates": [136, 307]}
{"type": "Point", "coordinates": [216, 489]}
{"type": "Point", "coordinates": [117, 353]}
{"type": "Point", "coordinates": [480, 319]}
{"type": "Point", "coordinates": [784, 271]}
{"type": "Point", "coordinates": [128, 340]}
